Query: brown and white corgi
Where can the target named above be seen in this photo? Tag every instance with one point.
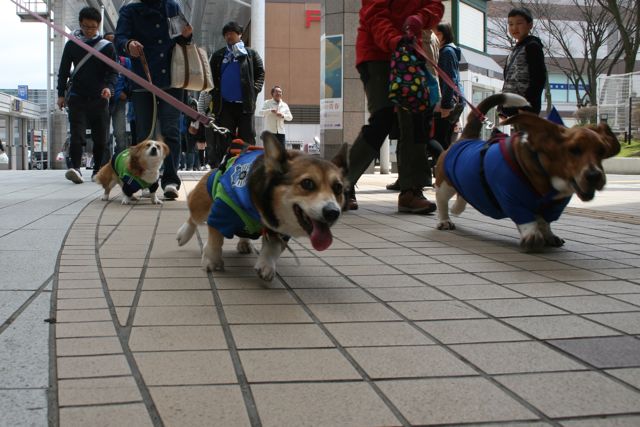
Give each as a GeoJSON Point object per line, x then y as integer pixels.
{"type": "Point", "coordinates": [136, 168]}
{"type": "Point", "coordinates": [273, 193]}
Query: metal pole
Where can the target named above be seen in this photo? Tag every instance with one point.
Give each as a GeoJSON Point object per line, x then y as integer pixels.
{"type": "Point", "coordinates": [48, 108]}
{"type": "Point", "coordinates": [102, 20]}
{"type": "Point", "coordinates": [258, 43]}
{"type": "Point", "coordinates": [629, 121]}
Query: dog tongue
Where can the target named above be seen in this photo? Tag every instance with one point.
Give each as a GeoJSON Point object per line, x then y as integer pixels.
{"type": "Point", "coordinates": [321, 237]}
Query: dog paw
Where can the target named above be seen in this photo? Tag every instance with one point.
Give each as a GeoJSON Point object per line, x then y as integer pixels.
{"type": "Point", "coordinates": [266, 271]}
{"type": "Point", "coordinates": [212, 264]}
{"type": "Point", "coordinates": [126, 201]}
{"type": "Point", "coordinates": [446, 225]}
{"type": "Point", "coordinates": [554, 241]}
{"type": "Point", "coordinates": [105, 197]}
{"type": "Point", "coordinates": [244, 247]}
{"type": "Point", "coordinates": [155, 200]}
{"type": "Point", "coordinates": [532, 242]}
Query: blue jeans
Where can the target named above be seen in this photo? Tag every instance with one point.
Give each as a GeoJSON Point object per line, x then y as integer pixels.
{"type": "Point", "coordinates": [169, 118]}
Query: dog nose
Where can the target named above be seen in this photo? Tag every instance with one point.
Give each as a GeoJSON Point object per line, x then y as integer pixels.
{"type": "Point", "coordinates": [330, 213]}
{"type": "Point", "coordinates": [154, 151]}
{"type": "Point", "coordinates": [593, 177]}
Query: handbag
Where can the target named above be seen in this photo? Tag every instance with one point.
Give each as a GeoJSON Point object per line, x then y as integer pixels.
{"type": "Point", "coordinates": [190, 68]}
{"type": "Point", "coordinates": [411, 85]}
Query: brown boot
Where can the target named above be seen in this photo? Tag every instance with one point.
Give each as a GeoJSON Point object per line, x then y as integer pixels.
{"type": "Point", "coordinates": [413, 201]}
{"type": "Point", "coordinates": [351, 204]}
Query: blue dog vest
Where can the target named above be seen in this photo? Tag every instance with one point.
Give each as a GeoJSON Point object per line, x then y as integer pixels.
{"type": "Point", "coordinates": [232, 212]}
{"type": "Point", "coordinates": [512, 194]}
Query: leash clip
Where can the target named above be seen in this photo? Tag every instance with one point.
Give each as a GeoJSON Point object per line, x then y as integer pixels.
{"type": "Point", "coordinates": [488, 124]}
{"type": "Point", "coordinates": [218, 129]}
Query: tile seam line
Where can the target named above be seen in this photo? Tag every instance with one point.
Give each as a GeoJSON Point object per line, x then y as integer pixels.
{"type": "Point", "coordinates": [245, 388]}
{"type": "Point", "coordinates": [35, 293]}
{"type": "Point", "coordinates": [44, 193]}
{"type": "Point", "coordinates": [123, 334]}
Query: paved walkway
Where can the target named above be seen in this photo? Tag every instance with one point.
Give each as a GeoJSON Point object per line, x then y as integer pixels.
{"type": "Point", "coordinates": [105, 321]}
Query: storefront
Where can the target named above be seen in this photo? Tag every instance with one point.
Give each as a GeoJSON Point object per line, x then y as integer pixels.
{"type": "Point", "coordinates": [17, 121]}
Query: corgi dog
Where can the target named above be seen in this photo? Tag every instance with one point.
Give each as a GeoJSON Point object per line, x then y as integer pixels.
{"type": "Point", "coordinates": [272, 193]}
{"type": "Point", "coordinates": [136, 168]}
{"type": "Point", "coordinates": [528, 177]}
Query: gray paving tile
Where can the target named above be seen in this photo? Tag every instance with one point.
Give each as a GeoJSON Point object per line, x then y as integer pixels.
{"type": "Point", "coordinates": [626, 322]}
{"type": "Point", "coordinates": [620, 421]}
{"type": "Point", "coordinates": [550, 327]}
{"type": "Point", "coordinates": [515, 277]}
{"type": "Point", "coordinates": [279, 336]}
{"type": "Point", "coordinates": [573, 394]}
{"type": "Point", "coordinates": [186, 367]}
{"type": "Point", "coordinates": [386, 281]}
{"type": "Point", "coordinates": [516, 357]}
{"type": "Point", "coordinates": [628, 375]}
{"type": "Point", "coordinates": [453, 401]}
{"type": "Point", "coordinates": [432, 310]}
{"type": "Point", "coordinates": [328, 296]}
{"type": "Point", "coordinates": [24, 407]}
{"type": "Point", "coordinates": [548, 289]}
{"type": "Point", "coordinates": [608, 286]}
{"type": "Point", "coordinates": [590, 304]}
{"type": "Point", "coordinates": [122, 414]}
{"type": "Point", "coordinates": [451, 279]}
{"type": "Point", "coordinates": [329, 404]}
{"type": "Point", "coordinates": [473, 292]}
{"type": "Point", "coordinates": [409, 362]}
{"type": "Point", "coordinates": [516, 307]}
{"type": "Point", "coordinates": [609, 352]}
{"type": "Point", "coordinates": [362, 312]}
{"type": "Point", "coordinates": [297, 365]}
{"type": "Point", "coordinates": [376, 334]}
{"type": "Point", "coordinates": [422, 293]}
{"type": "Point", "coordinates": [470, 331]}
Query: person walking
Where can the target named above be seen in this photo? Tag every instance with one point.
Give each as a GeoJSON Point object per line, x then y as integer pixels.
{"type": "Point", "coordinates": [238, 77]}
{"type": "Point", "coordinates": [118, 105]}
{"type": "Point", "coordinates": [383, 24]}
{"type": "Point", "coordinates": [275, 112]}
{"type": "Point", "coordinates": [143, 28]}
{"type": "Point", "coordinates": [86, 92]}
{"type": "Point", "coordinates": [448, 111]}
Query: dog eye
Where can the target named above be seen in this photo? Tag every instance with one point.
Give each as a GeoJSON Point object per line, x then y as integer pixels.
{"type": "Point", "coordinates": [337, 188]}
{"type": "Point", "coordinates": [576, 151]}
{"type": "Point", "coordinates": [308, 184]}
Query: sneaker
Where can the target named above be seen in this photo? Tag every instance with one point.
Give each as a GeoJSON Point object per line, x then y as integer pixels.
{"type": "Point", "coordinates": [413, 201]}
{"type": "Point", "coordinates": [394, 186]}
{"type": "Point", "coordinates": [170, 192]}
{"type": "Point", "coordinates": [351, 202]}
{"type": "Point", "coordinates": [74, 176]}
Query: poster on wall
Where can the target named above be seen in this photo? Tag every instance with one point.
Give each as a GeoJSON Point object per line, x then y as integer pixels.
{"type": "Point", "coordinates": [331, 81]}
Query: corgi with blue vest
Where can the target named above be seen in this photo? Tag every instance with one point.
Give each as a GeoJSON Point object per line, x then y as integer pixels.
{"type": "Point", "coordinates": [272, 194]}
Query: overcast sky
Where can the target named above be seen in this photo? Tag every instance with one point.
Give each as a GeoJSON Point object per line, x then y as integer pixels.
{"type": "Point", "coordinates": [23, 50]}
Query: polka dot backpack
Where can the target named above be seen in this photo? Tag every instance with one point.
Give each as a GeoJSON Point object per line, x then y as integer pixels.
{"type": "Point", "coordinates": [409, 80]}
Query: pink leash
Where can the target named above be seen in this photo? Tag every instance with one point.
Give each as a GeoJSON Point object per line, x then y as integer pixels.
{"type": "Point", "coordinates": [195, 115]}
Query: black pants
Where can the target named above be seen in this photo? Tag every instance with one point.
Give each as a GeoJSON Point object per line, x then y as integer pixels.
{"type": "Point", "coordinates": [443, 131]}
{"type": "Point", "coordinates": [88, 113]}
{"type": "Point", "coordinates": [280, 137]}
{"type": "Point", "coordinates": [239, 123]}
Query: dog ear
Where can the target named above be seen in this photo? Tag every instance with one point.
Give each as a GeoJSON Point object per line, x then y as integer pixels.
{"type": "Point", "coordinates": [341, 159]}
{"type": "Point", "coordinates": [275, 156]}
{"type": "Point", "coordinates": [135, 167]}
{"type": "Point", "coordinates": [610, 139]}
{"type": "Point", "coordinates": [165, 148]}
{"type": "Point", "coordinates": [545, 131]}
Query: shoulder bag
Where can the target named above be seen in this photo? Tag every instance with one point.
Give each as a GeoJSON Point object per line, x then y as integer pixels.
{"type": "Point", "coordinates": [190, 68]}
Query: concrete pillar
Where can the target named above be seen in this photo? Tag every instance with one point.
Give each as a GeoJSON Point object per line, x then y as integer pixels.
{"type": "Point", "coordinates": [341, 17]}
{"type": "Point", "coordinates": [258, 14]}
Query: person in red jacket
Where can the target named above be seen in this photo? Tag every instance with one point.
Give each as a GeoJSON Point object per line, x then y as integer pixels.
{"type": "Point", "coordinates": [383, 23]}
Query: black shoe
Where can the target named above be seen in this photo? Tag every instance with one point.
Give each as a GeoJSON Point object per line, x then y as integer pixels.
{"type": "Point", "coordinates": [394, 186]}
{"type": "Point", "coordinates": [351, 204]}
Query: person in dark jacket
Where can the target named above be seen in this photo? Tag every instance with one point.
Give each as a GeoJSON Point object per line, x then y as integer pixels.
{"type": "Point", "coordinates": [118, 106]}
{"type": "Point", "coordinates": [383, 23]}
{"type": "Point", "coordinates": [449, 62]}
{"type": "Point", "coordinates": [87, 97]}
{"type": "Point", "coordinates": [525, 72]}
{"type": "Point", "coordinates": [238, 77]}
{"type": "Point", "coordinates": [143, 27]}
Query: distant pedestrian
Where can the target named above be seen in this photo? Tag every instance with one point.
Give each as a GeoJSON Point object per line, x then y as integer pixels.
{"type": "Point", "coordinates": [86, 92]}
{"type": "Point", "coordinates": [525, 72]}
{"type": "Point", "coordinates": [238, 77]}
{"type": "Point", "coordinates": [276, 112]}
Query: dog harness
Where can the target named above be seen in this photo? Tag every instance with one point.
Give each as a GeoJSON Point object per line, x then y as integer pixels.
{"type": "Point", "coordinates": [130, 183]}
{"type": "Point", "coordinates": [232, 212]}
{"type": "Point", "coordinates": [487, 175]}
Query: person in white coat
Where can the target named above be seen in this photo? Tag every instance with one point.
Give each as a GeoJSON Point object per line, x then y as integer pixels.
{"type": "Point", "coordinates": [275, 112]}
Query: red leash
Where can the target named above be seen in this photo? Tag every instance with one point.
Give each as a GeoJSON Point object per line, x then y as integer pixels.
{"type": "Point", "coordinates": [195, 115]}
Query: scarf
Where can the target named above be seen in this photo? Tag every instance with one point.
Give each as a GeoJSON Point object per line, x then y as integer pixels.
{"type": "Point", "coordinates": [80, 35]}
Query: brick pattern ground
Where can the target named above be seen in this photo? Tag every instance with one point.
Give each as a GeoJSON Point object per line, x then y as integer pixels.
{"type": "Point", "coordinates": [396, 324]}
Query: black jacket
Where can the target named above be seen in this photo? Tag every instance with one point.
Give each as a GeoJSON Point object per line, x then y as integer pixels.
{"type": "Point", "coordinates": [94, 75]}
{"type": "Point", "coordinates": [525, 72]}
{"type": "Point", "coordinates": [252, 77]}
